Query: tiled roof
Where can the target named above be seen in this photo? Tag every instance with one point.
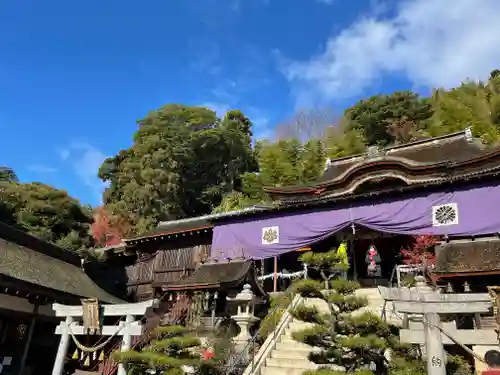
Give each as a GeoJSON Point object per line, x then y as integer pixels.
{"type": "Point", "coordinates": [450, 148]}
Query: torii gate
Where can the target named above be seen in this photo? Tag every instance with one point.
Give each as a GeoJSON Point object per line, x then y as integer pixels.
{"type": "Point", "coordinates": [429, 304]}
{"type": "Point", "coordinates": [128, 328]}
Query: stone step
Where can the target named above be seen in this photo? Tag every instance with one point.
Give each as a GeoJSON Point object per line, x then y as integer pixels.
{"type": "Point", "coordinates": [285, 339]}
{"type": "Point", "coordinates": [269, 370]}
{"type": "Point", "coordinates": [296, 363]}
{"type": "Point", "coordinates": [291, 354]}
{"type": "Point", "coordinates": [291, 345]}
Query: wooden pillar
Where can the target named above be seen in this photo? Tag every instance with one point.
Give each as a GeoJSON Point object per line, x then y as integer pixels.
{"type": "Point", "coordinates": [275, 277]}
{"type": "Point", "coordinates": [62, 350]}
{"type": "Point", "coordinates": [351, 245]}
{"type": "Point", "coordinates": [126, 343]}
{"type": "Point", "coordinates": [27, 343]}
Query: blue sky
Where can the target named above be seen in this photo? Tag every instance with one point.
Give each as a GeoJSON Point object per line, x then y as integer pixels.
{"type": "Point", "coordinates": [75, 75]}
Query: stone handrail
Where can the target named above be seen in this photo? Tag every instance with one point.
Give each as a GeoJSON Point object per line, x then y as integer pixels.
{"type": "Point", "coordinates": [265, 350]}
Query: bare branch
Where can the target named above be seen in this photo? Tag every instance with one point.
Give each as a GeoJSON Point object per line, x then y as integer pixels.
{"type": "Point", "coordinates": [307, 124]}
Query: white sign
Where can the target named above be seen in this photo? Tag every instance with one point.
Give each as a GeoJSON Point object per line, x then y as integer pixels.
{"type": "Point", "coordinates": [444, 215]}
{"type": "Point", "coordinates": [270, 235]}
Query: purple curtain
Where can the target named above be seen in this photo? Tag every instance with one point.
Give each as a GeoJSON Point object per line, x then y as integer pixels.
{"type": "Point", "coordinates": [478, 213]}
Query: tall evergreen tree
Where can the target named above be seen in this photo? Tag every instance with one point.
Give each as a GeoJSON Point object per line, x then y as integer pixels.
{"type": "Point", "coordinates": [183, 161]}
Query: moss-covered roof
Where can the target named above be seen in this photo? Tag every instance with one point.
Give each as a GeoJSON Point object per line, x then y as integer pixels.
{"type": "Point", "coordinates": [469, 256]}
{"type": "Point", "coordinates": [45, 268]}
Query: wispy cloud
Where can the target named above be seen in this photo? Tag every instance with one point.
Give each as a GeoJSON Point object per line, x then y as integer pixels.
{"type": "Point", "coordinates": [219, 108]}
{"type": "Point", "coordinates": [41, 168]}
{"type": "Point", "coordinates": [205, 56]}
{"type": "Point", "coordinates": [86, 160]}
{"type": "Point", "coordinates": [327, 2]}
{"type": "Point", "coordinates": [433, 43]}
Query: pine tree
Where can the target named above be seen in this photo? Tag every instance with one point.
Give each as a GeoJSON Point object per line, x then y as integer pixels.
{"type": "Point", "coordinates": [169, 353]}
{"type": "Point", "coordinates": [357, 343]}
{"type": "Point", "coordinates": [327, 264]}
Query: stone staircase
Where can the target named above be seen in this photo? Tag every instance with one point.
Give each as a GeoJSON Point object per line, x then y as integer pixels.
{"type": "Point", "coordinates": [289, 357]}
{"type": "Point", "coordinates": [376, 305]}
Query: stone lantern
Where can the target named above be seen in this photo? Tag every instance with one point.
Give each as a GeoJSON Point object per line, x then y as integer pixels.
{"type": "Point", "coordinates": [245, 318]}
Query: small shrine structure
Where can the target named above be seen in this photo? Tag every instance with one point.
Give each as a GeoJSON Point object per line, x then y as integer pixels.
{"type": "Point", "coordinates": [33, 275]}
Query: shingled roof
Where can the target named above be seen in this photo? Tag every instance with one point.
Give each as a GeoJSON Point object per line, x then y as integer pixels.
{"type": "Point", "coordinates": [216, 275]}
{"type": "Point", "coordinates": [44, 265]}
{"type": "Point", "coordinates": [481, 255]}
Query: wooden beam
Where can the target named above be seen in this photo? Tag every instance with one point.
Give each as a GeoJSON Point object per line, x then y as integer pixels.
{"type": "Point", "coordinates": [123, 309]}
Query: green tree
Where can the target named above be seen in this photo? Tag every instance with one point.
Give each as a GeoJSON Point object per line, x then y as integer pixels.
{"type": "Point", "coordinates": [183, 161]}
{"type": "Point", "coordinates": [352, 342]}
{"type": "Point", "coordinates": [170, 350]}
{"type": "Point", "coordinates": [47, 213]}
{"type": "Point", "coordinates": [342, 140]}
{"type": "Point", "coordinates": [173, 348]}
{"type": "Point", "coordinates": [327, 264]}
{"type": "Point", "coordinates": [372, 116]}
{"type": "Point", "coordinates": [7, 174]}
{"type": "Point", "coordinates": [282, 163]}
{"type": "Point", "coordinates": [474, 104]}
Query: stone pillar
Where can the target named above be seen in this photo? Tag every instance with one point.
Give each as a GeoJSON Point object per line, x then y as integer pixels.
{"type": "Point", "coordinates": [126, 343]}
{"type": "Point", "coordinates": [434, 348]}
{"type": "Point", "coordinates": [62, 350]}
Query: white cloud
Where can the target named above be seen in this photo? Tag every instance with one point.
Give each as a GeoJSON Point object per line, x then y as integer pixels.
{"type": "Point", "coordinates": [433, 43]}
{"type": "Point", "coordinates": [86, 161]}
{"type": "Point", "coordinates": [327, 2]}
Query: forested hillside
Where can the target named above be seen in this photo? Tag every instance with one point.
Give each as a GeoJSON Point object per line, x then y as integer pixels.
{"type": "Point", "coordinates": [185, 161]}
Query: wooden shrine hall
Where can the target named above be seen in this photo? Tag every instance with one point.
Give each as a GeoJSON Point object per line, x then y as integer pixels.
{"type": "Point", "coordinates": [34, 275]}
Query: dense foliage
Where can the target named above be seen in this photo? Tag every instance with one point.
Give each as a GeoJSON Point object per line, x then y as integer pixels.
{"type": "Point", "coordinates": [182, 162]}
{"type": "Point", "coordinates": [185, 161]}
{"type": "Point", "coordinates": [45, 212]}
{"type": "Point", "coordinates": [350, 342]}
{"type": "Point", "coordinates": [175, 350]}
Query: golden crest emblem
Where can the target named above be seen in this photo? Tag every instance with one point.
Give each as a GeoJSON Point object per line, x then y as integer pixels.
{"type": "Point", "coordinates": [270, 235]}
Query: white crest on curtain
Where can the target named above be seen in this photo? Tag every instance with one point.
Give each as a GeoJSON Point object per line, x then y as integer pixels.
{"type": "Point", "coordinates": [270, 235]}
{"type": "Point", "coordinates": [444, 215]}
